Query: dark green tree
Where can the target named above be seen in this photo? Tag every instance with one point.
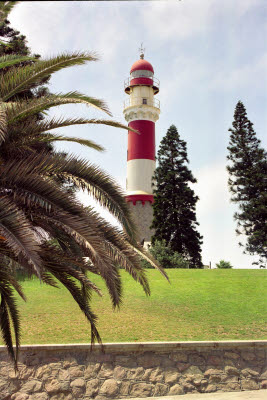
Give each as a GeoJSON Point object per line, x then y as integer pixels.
{"type": "Point", "coordinates": [14, 43]}
{"type": "Point", "coordinates": [248, 183]}
{"type": "Point", "coordinates": [175, 202]}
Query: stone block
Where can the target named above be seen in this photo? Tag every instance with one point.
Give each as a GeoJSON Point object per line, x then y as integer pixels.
{"type": "Point", "coordinates": [249, 384]}
{"type": "Point", "coordinates": [136, 373]}
{"type": "Point", "coordinates": [141, 389]}
{"type": "Point", "coordinates": [248, 355]}
{"type": "Point", "coordinates": [5, 370]}
{"type": "Point", "coordinates": [260, 354]}
{"type": "Point", "coordinates": [231, 363]}
{"type": "Point", "coordinates": [71, 362]}
{"type": "Point", "coordinates": [264, 374]}
{"type": "Point", "coordinates": [171, 376]}
{"type": "Point", "coordinates": [215, 378]}
{"type": "Point", "coordinates": [106, 371]}
{"type": "Point", "coordinates": [193, 370]}
{"type": "Point", "coordinates": [20, 396]}
{"type": "Point", "coordinates": [125, 361]}
{"type": "Point", "coordinates": [92, 370]}
{"type": "Point", "coordinates": [160, 389]}
{"type": "Point", "coordinates": [100, 358]}
{"type": "Point", "coordinates": [54, 386]}
{"type": "Point", "coordinates": [31, 386]}
{"type": "Point", "coordinates": [188, 387]}
{"type": "Point", "coordinates": [215, 361]}
{"type": "Point", "coordinates": [176, 390]}
{"type": "Point", "coordinates": [62, 396]}
{"type": "Point", "coordinates": [77, 393]}
{"type": "Point", "coordinates": [203, 385]}
{"type": "Point", "coordinates": [232, 387]}
{"type": "Point", "coordinates": [76, 372]}
{"type": "Point", "coordinates": [182, 366]}
{"type": "Point", "coordinates": [124, 388]}
{"type": "Point", "coordinates": [197, 380]}
{"type": "Point", "coordinates": [43, 372]}
{"type": "Point", "coordinates": [79, 382]}
{"type": "Point", "coordinates": [39, 396]}
{"type": "Point", "coordinates": [210, 388]}
{"type": "Point", "coordinates": [232, 355]}
{"type": "Point", "coordinates": [248, 372]}
{"type": "Point", "coordinates": [231, 370]}
{"type": "Point", "coordinates": [156, 375]}
{"type": "Point", "coordinates": [64, 375]}
{"type": "Point", "coordinates": [109, 388]}
{"type": "Point", "coordinates": [149, 360]}
{"type": "Point", "coordinates": [196, 359]}
{"type": "Point", "coordinates": [179, 356]}
{"type": "Point", "coordinates": [147, 374]}
{"type": "Point", "coordinates": [229, 378]}
{"type": "Point", "coordinates": [3, 384]}
{"type": "Point", "coordinates": [92, 387]}
{"type": "Point", "coordinates": [26, 373]}
{"type": "Point", "coordinates": [263, 385]}
{"type": "Point", "coordinates": [119, 372]}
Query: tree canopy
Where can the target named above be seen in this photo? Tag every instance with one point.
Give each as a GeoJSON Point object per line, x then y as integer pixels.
{"type": "Point", "coordinates": [248, 184]}
{"type": "Point", "coordinates": [175, 202]}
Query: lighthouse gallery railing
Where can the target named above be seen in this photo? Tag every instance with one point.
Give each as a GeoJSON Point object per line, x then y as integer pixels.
{"type": "Point", "coordinates": [155, 81]}
{"type": "Point", "coordinates": [138, 102]}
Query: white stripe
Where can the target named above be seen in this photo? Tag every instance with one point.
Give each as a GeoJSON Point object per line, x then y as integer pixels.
{"type": "Point", "coordinates": [139, 176]}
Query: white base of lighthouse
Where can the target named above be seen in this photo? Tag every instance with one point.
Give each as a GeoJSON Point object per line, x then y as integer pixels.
{"type": "Point", "coordinates": [142, 216]}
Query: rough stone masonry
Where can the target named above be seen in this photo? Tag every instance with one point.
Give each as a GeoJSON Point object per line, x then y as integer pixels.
{"type": "Point", "coordinates": [125, 370]}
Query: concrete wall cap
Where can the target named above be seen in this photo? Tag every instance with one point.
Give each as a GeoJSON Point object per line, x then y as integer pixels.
{"type": "Point", "coordinates": [144, 346]}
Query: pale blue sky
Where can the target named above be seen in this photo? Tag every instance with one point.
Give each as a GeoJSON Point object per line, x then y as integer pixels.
{"type": "Point", "coordinates": [207, 54]}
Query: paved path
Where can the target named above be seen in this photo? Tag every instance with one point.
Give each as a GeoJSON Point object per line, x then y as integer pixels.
{"type": "Point", "coordinates": [247, 395]}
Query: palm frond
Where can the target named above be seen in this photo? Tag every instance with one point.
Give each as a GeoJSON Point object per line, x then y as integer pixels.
{"type": "Point", "coordinates": [48, 138]}
{"type": "Point", "coordinates": [55, 259]}
{"type": "Point", "coordinates": [9, 60]}
{"type": "Point", "coordinates": [9, 314]}
{"type": "Point", "coordinates": [26, 175]}
{"type": "Point", "coordinates": [20, 110]}
{"type": "Point", "coordinates": [3, 123]}
{"type": "Point", "coordinates": [23, 79]}
{"type": "Point", "coordinates": [33, 128]}
{"type": "Point", "coordinates": [18, 234]}
{"type": "Point", "coordinates": [89, 238]}
{"type": "Point", "coordinates": [99, 184]}
{"type": "Point", "coordinates": [5, 8]}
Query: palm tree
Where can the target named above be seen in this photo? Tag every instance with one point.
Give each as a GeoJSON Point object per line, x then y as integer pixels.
{"type": "Point", "coordinates": [35, 207]}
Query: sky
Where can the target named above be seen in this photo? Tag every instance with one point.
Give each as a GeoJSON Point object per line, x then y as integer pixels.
{"type": "Point", "coordinates": [207, 54]}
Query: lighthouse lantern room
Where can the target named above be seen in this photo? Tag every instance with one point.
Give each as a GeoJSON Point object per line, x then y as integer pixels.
{"type": "Point", "coordinates": [141, 111]}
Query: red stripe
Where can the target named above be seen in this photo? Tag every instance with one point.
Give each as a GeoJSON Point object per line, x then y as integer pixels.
{"type": "Point", "coordinates": [141, 81]}
{"type": "Point", "coordinates": [140, 197]}
{"type": "Point", "coordinates": [142, 145]}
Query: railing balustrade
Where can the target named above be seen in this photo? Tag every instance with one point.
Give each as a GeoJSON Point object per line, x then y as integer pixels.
{"type": "Point", "coordinates": [155, 81]}
{"type": "Point", "coordinates": [138, 102]}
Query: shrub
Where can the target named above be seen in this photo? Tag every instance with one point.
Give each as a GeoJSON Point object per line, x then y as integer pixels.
{"type": "Point", "coordinates": [224, 264]}
{"type": "Point", "coordinates": [166, 256]}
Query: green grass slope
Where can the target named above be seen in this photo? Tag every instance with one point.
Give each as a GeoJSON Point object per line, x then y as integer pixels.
{"type": "Point", "coordinates": [197, 305]}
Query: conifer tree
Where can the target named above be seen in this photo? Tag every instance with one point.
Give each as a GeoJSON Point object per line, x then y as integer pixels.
{"type": "Point", "coordinates": [175, 202]}
{"type": "Point", "coordinates": [248, 183]}
{"type": "Point", "coordinates": [12, 42]}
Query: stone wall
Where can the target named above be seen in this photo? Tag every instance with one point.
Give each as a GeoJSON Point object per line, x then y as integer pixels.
{"type": "Point", "coordinates": [125, 370]}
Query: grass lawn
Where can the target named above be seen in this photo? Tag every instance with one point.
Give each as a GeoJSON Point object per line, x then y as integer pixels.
{"type": "Point", "coordinates": [197, 305]}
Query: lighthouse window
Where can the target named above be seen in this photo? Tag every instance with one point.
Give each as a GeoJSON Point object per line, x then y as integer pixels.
{"type": "Point", "coordinates": [142, 73]}
{"type": "Point", "coordinates": [144, 101]}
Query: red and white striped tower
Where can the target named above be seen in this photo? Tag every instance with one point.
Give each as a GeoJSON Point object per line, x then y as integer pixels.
{"type": "Point", "coordinates": [141, 111]}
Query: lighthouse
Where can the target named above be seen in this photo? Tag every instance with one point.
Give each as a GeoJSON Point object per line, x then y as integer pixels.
{"type": "Point", "coordinates": [141, 111]}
